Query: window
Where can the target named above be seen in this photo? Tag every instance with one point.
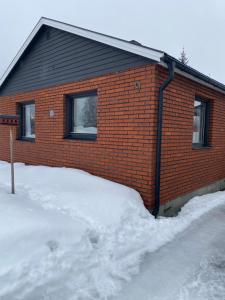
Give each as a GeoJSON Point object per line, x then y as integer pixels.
{"type": "Point", "coordinates": [27, 112]}
{"type": "Point", "coordinates": [82, 116]}
{"type": "Point", "coordinates": [200, 123]}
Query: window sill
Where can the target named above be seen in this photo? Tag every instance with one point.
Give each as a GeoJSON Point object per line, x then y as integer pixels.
{"type": "Point", "coordinates": [24, 139]}
{"type": "Point", "coordinates": [200, 147]}
{"type": "Point", "coordinates": [81, 136]}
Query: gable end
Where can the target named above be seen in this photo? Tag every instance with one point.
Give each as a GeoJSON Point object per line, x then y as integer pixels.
{"type": "Point", "coordinates": [55, 57]}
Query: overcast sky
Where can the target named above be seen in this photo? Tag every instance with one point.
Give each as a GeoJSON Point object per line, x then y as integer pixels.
{"type": "Point", "coordinates": [168, 25]}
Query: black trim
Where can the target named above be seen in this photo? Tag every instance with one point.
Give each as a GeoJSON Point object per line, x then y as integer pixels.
{"type": "Point", "coordinates": [12, 117]}
{"type": "Point", "coordinates": [70, 116]}
{"type": "Point", "coordinates": [81, 136]}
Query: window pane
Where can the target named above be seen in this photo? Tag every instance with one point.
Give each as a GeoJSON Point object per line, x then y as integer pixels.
{"type": "Point", "coordinates": [30, 120]}
{"type": "Point", "coordinates": [85, 120]}
{"type": "Point", "coordinates": [199, 122]}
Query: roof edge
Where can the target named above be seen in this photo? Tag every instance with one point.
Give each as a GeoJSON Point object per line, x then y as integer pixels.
{"type": "Point", "coordinates": [193, 74]}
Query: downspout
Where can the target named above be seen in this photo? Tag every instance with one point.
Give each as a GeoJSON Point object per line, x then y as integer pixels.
{"type": "Point", "coordinates": [171, 67]}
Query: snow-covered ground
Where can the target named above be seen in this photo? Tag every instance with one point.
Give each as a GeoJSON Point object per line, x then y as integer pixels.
{"type": "Point", "coordinates": [191, 267]}
{"type": "Point", "coordinates": [69, 235]}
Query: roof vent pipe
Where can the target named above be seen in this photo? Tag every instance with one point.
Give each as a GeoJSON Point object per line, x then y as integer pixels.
{"type": "Point", "coordinates": [171, 67]}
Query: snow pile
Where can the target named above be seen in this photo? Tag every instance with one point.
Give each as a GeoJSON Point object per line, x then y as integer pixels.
{"type": "Point", "coordinates": [69, 235]}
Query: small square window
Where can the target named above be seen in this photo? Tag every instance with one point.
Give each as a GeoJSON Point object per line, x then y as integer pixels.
{"type": "Point", "coordinates": [27, 127]}
{"type": "Point", "coordinates": [200, 123]}
{"type": "Point", "coordinates": [82, 116]}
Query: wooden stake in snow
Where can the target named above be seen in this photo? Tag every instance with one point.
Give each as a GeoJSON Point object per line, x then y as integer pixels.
{"type": "Point", "coordinates": [10, 120]}
{"type": "Point", "coordinates": [12, 161]}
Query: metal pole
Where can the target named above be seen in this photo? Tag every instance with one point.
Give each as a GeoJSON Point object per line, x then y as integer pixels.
{"type": "Point", "coordinates": [12, 162]}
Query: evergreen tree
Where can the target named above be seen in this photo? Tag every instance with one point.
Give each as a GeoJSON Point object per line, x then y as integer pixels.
{"type": "Point", "coordinates": [183, 57]}
{"type": "Point", "coordinates": [89, 113]}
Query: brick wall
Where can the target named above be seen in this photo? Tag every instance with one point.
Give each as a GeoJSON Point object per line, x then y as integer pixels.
{"type": "Point", "coordinates": [125, 147]}
{"type": "Point", "coordinates": [123, 151]}
{"type": "Point", "coordinates": [185, 169]}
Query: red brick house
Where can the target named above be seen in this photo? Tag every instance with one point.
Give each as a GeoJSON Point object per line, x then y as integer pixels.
{"type": "Point", "coordinates": [117, 109]}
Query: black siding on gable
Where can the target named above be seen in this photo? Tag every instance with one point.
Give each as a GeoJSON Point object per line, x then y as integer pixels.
{"type": "Point", "coordinates": [56, 57]}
